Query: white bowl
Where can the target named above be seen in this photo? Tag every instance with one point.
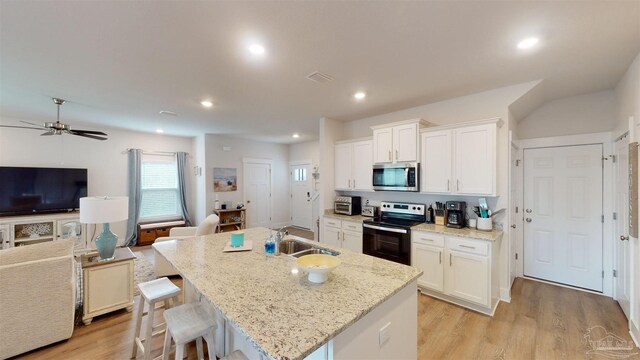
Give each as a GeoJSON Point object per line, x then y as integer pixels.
{"type": "Point", "coordinates": [318, 266]}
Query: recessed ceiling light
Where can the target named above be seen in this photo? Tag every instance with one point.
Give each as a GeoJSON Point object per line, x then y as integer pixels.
{"type": "Point", "coordinates": [206, 103]}
{"type": "Point", "coordinates": [359, 95]}
{"type": "Point", "coordinates": [295, 136]}
{"type": "Point", "coordinates": [528, 43]}
{"type": "Point", "coordinates": [257, 49]}
{"type": "Point", "coordinates": [159, 131]}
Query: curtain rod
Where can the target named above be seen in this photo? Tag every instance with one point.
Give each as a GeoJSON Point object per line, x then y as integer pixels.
{"type": "Point", "coordinates": [153, 152]}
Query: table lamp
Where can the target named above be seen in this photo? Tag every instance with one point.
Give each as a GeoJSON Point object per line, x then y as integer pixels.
{"type": "Point", "coordinates": [104, 210]}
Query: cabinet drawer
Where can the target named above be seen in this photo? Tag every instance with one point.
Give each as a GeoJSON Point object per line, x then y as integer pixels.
{"type": "Point", "coordinates": [147, 236]}
{"type": "Point", "coordinates": [468, 245]}
{"type": "Point", "coordinates": [352, 226]}
{"type": "Point", "coordinates": [427, 238]}
{"type": "Point", "coordinates": [161, 232]}
{"type": "Point", "coordinates": [332, 222]}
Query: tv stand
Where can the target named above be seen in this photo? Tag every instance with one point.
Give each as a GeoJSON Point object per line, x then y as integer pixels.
{"type": "Point", "coordinates": [32, 229]}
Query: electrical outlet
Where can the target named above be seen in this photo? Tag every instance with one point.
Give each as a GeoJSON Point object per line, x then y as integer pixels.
{"type": "Point", "coordinates": [385, 334]}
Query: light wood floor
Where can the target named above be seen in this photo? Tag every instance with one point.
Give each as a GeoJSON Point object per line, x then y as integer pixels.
{"type": "Point", "coordinates": [542, 322]}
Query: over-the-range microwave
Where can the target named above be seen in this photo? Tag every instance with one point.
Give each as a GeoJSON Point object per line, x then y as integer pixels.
{"type": "Point", "coordinates": [397, 177]}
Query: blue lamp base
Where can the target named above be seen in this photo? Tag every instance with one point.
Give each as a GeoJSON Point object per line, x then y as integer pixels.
{"type": "Point", "coordinates": [106, 243]}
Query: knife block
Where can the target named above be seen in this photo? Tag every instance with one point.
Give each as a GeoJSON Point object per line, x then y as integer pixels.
{"type": "Point", "coordinates": [439, 217]}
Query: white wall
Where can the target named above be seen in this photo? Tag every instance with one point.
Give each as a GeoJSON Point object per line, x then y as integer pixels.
{"type": "Point", "coordinates": [582, 114]}
{"type": "Point", "coordinates": [106, 165]}
{"type": "Point", "coordinates": [628, 105]}
{"type": "Point", "coordinates": [242, 148]}
{"type": "Point", "coordinates": [309, 150]}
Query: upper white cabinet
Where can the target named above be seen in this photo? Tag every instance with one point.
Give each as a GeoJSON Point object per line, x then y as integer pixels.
{"type": "Point", "coordinates": [397, 142]}
{"type": "Point", "coordinates": [354, 165]}
{"type": "Point", "coordinates": [460, 160]}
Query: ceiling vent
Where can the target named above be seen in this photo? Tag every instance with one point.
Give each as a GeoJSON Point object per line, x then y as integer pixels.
{"type": "Point", "coordinates": [319, 77]}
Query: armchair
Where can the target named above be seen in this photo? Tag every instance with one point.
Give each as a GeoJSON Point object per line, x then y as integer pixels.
{"type": "Point", "coordinates": [207, 227]}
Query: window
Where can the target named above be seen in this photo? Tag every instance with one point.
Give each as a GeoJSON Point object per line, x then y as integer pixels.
{"type": "Point", "coordinates": [300, 174]}
{"type": "Point", "coordinates": [159, 185]}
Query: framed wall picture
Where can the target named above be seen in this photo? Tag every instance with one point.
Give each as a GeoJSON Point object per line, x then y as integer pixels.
{"type": "Point", "coordinates": [225, 179]}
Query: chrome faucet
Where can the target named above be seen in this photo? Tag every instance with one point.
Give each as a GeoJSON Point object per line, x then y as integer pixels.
{"type": "Point", "coordinates": [279, 236]}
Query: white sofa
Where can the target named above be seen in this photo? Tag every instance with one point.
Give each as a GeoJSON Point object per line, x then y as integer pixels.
{"type": "Point", "coordinates": [207, 227]}
{"type": "Point", "coordinates": [37, 296]}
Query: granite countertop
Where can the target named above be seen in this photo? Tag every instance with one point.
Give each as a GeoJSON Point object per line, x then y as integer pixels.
{"type": "Point", "coordinates": [492, 235]}
{"type": "Point", "coordinates": [354, 218]}
{"type": "Point", "coordinates": [271, 301]}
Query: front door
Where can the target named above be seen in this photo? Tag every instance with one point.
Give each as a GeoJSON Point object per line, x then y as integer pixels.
{"type": "Point", "coordinates": [257, 194]}
{"type": "Point", "coordinates": [515, 215]}
{"type": "Point", "coordinates": [301, 195]}
{"type": "Point", "coordinates": [563, 215]}
{"type": "Point", "coordinates": [621, 224]}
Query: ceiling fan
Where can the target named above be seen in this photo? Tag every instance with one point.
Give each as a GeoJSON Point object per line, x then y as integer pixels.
{"type": "Point", "coordinates": [58, 128]}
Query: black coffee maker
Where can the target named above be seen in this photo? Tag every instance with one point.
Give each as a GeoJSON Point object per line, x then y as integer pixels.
{"type": "Point", "coordinates": [456, 214]}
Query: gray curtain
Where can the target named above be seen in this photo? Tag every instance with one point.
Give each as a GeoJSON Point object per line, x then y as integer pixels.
{"type": "Point", "coordinates": [182, 159]}
{"type": "Point", "coordinates": [135, 195]}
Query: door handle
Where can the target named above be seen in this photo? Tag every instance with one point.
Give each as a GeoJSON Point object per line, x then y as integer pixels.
{"type": "Point", "coordinates": [624, 238]}
{"type": "Point", "coordinates": [389, 155]}
{"type": "Point", "coordinates": [513, 226]}
{"type": "Point", "coordinates": [248, 201]}
{"type": "Point", "coordinates": [349, 183]}
{"type": "Point", "coordinates": [440, 256]}
{"type": "Point", "coordinates": [448, 185]}
{"type": "Point", "coordinates": [354, 183]}
{"type": "Point", "coordinates": [449, 259]}
{"type": "Point", "coordinates": [528, 219]}
{"type": "Point", "coordinates": [457, 185]}
{"type": "Point", "coordinates": [396, 154]}
{"type": "Point", "coordinates": [528, 211]}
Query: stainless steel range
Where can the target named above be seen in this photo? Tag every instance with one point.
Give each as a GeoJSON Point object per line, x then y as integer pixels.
{"type": "Point", "coordinates": [389, 237]}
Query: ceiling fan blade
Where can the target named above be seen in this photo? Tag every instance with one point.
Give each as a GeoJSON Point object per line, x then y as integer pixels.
{"type": "Point", "coordinates": [26, 122]}
{"type": "Point", "coordinates": [87, 135]}
{"type": "Point", "coordinates": [23, 127]}
{"type": "Point", "coordinates": [48, 133]}
{"type": "Point", "coordinates": [88, 132]}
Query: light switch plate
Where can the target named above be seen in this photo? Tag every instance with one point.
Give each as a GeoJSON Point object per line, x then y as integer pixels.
{"type": "Point", "coordinates": [385, 334]}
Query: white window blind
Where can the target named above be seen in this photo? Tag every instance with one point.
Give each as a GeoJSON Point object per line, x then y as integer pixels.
{"type": "Point", "coordinates": [159, 185]}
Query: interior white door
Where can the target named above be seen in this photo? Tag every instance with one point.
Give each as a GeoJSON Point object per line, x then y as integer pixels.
{"type": "Point", "coordinates": [362, 165]}
{"type": "Point", "coordinates": [382, 145]}
{"type": "Point", "coordinates": [436, 161]}
{"type": "Point", "coordinates": [475, 160]}
{"type": "Point", "coordinates": [342, 166]}
{"type": "Point", "coordinates": [563, 215]}
{"type": "Point", "coordinates": [301, 195]}
{"type": "Point", "coordinates": [622, 248]}
{"type": "Point", "coordinates": [405, 142]}
{"type": "Point", "coordinates": [257, 194]}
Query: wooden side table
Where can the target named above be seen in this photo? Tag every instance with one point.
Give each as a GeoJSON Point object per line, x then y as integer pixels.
{"type": "Point", "coordinates": [231, 219]}
{"type": "Point", "coordinates": [108, 285]}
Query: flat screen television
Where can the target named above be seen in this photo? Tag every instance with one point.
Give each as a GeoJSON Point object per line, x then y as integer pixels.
{"type": "Point", "coordinates": [31, 190]}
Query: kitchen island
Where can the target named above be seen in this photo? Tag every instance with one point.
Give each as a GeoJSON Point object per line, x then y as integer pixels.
{"type": "Point", "coordinates": [266, 307]}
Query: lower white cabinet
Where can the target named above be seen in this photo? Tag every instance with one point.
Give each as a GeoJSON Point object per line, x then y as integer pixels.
{"type": "Point", "coordinates": [459, 270]}
{"type": "Point", "coordinates": [342, 234]}
{"type": "Point", "coordinates": [33, 229]}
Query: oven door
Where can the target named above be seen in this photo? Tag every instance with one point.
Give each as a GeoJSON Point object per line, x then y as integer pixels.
{"type": "Point", "coordinates": [393, 244]}
{"type": "Point", "coordinates": [396, 177]}
{"type": "Point", "coordinates": [342, 208]}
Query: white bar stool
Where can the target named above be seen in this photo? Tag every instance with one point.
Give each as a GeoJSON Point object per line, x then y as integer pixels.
{"type": "Point", "coordinates": [152, 292]}
{"type": "Point", "coordinates": [189, 322]}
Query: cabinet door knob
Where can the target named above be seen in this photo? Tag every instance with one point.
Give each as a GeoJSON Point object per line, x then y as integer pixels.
{"type": "Point", "coordinates": [624, 238]}
{"type": "Point", "coordinates": [528, 219]}
{"type": "Point", "coordinates": [513, 226]}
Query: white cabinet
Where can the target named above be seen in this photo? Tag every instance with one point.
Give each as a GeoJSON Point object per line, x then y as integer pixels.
{"type": "Point", "coordinates": [397, 142]}
{"type": "Point", "coordinates": [460, 160]}
{"type": "Point", "coordinates": [33, 229]}
{"type": "Point", "coordinates": [468, 277]}
{"type": "Point", "coordinates": [456, 269]}
{"type": "Point", "coordinates": [353, 165]}
{"type": "Point", "coordinates": [437, 161]}
{"type": "Point", "coordinates": [342, 234]}
{"type": "Point", "coordinates": [475, 160]}
{"type": "Point", "coordinates": [429, 259]}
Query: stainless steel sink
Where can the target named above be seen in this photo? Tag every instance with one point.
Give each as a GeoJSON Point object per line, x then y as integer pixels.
{"type": "Point", "coordinates": [316, 251]}
{"type": "Point", "coordinates": [290, 246]}
{"type": "Point", "coordinates": [297, 248]}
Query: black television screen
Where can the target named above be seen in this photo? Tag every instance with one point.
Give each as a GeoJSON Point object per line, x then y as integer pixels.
{"type": "Point", "coordinates": [30, 190]}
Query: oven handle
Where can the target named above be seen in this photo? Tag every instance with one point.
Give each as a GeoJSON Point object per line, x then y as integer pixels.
{"type": "Point", "coordinates": [401, 231]}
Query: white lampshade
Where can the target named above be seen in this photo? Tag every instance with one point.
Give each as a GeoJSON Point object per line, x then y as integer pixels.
{"type": "Point", "coordinates": [103, 209]}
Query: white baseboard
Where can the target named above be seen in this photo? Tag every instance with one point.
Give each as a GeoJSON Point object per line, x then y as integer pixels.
{"type": "Point", "coordinates": [635, 333]}
{"type": "Point", "coordinates": [505, 295]}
